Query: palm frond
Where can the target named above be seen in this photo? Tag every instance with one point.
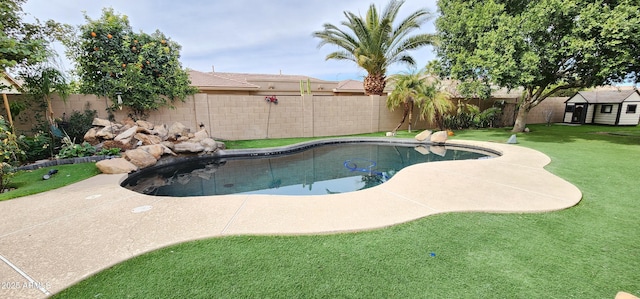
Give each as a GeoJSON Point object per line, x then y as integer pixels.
{"type": "Point", "coordinates": [373, 41]}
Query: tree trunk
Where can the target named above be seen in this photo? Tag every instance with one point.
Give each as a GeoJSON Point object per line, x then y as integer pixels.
{"type": "Point", "coordinates": [405, 112]}
{"type": "Point", "coordinates": [410, 116]}
{"type": "Point", "coordinates": [374, 84]}
{"type": "Point", "coordinates": [521, 118]}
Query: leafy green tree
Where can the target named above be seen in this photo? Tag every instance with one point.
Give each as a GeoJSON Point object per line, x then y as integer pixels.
{"type": "Point", "coordinates": [541, 46]}
{"type": "Point", "coordinates": [42, 83]}
{"type": "Point", "coordinates": [20, 43]}
{"type": "Point", "coordinates": [141, 70]}
{"type": "Point", "coordinates": [414, 90]}
{"type": "Point", "coordinates": [374, 43]}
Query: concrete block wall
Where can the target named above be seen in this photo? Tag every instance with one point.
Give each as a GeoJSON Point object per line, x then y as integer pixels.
{"type": "Point", "coordinates": [238, 117]}
{"type": "Point", "coordinates": [555, 105]}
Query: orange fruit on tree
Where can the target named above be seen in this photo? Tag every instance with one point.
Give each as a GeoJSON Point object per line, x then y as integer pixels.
{"type": "Point", "coordinates": [93, 34]}
{"type": "Point", "coordinates": [133, 48]}
{"type": "Point", "coordinates": [109, 36]}
{"type": "Point", "coordinates": [163, 41]}
{"type": "Point", "coordinates": [124, 65]}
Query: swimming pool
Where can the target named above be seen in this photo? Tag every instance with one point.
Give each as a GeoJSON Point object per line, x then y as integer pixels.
{"type": "Point", "coordinates": [306, 169]}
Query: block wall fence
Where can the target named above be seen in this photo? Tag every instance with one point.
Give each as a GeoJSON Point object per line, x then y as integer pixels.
{"type": "Point", "coordinates": [243, 117]}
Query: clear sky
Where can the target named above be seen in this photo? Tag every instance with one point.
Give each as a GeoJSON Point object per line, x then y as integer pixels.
{"type": "Point", "coordinates": [241, 36]}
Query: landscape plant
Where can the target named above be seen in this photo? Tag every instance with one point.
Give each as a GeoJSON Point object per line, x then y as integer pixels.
{"type": "Point", "coordinates": [20, 42]}
{"type": "Point", "coordinates": [36, 147]}
{"type": "Point", "coordinates": [71, 149]}
{"type": "Point", "coordinates": [78, 123]}
{"type": "Point", "coordinates": [419, 90]}
{"type": "Point", "coordinates": [470, 116]}
{"type": "Point", "coordinates": [539, 47]}
{"type": "Point", "coordinates": [376, 41]}
{"type": "Point", "coordinates": [10, 153]}
{"type": "Point", "coordinates": [139, 71]}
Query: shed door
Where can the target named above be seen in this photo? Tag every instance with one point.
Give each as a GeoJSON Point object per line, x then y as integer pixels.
{"type": "Point", "coordinates": [578, 114]}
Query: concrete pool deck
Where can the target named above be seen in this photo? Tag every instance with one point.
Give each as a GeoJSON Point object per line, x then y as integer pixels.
{"type": "Point", "coordinates": [52, 240]}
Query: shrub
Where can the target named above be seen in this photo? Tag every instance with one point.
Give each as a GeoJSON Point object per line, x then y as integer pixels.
{"type": "Point", "coordinates": [470, 116]}
{"type": "Point", "coordinates": [6, 172]}
{"type": "Point", "coordinates": [36, 147]}
{"type": "Point", "coordinates": [72, 150]}
{"type": "Point", "coordinates": [78, 123]}
{"type": "Point", "coordinates": [10, 153]}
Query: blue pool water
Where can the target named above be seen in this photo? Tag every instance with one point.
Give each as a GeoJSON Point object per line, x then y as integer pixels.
{"type": "Point", "coordinates": [317, 170]}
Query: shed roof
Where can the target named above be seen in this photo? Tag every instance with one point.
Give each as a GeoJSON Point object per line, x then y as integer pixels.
{"type": "Point", "coordinates": [605, 97]}
{"type": "Point", "coordinates": [8, 84]}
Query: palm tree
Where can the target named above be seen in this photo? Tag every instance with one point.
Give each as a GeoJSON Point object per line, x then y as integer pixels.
{"type": "Point", "coordinates": [373, 43]}
{"type": "Point", "coordinates": [414, 89]}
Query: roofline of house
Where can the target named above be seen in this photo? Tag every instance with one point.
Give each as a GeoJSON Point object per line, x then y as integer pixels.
{"type": "Point", "coordinates": [11, 80]}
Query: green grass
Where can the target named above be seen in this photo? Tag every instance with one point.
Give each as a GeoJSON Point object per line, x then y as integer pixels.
{"type": "Point", "coordinates": [591, 250]}
{"type": "Point", "coordinates": [31, 182]}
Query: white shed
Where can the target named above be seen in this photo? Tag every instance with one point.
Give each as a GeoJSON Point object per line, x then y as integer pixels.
{"type": "Point", "coordinates": [617, 108]}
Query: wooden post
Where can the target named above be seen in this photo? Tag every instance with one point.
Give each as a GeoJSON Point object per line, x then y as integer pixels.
{"type": "Point", "coordinates": [6, 107]}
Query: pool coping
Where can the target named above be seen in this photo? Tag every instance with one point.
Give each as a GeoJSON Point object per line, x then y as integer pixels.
{"type": "Point", "coordinates": [57, 238]}
{"type": "Point", "coordinates": [174, 162]}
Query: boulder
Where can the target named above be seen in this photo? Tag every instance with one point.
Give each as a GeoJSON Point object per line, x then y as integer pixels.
{"type": "Point", "coordinates": [167, 150]}
{"type": "Point", "coordinates": [128, 122]}
{"type": "Point", "coordinates": [200, 135]}
{"type": "Point", "coordinates": [145, 124]}
{"type": "Point", "coordinates": [90, 136]}
{"type": "Point", "coordinates": [116, 166]}
{"type": "Point", "coordinates": [127, 134]}
{"type": "Point", "coordinates": [126, 141]}
{"type": "Point", "coordinates": [170, 145]}
{"type": "Point", "coordinates": [140, 158]}
{"type": "Point", "coordinates": [423, 136]}
{"type": "Point", "coordinates": [108, 132]}
{"type": "Point", "coordinates": [209, 145]}
{"type": "Point", "coordinates": [188, 147]}
{"type": "Point", "coordinates": [148, 139]}
{"type": "Point", "coordinates": [99, 122]}
{"type": "Point", "coordinates": [177, 130]}
{"type": "Point", "coordinates": [156, 150]}
{"type": "Point", "coordinates": [161, 131]}
{"type": "Point", "coordinates": [439, 137]}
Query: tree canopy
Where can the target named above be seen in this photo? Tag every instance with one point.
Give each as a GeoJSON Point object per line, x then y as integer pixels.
{"type": "Point", "coordinates": [375, 42]}
{"type": "Point", "coordinates": [20, 42]}
{"type": "Point", "coordinates": [422, 90]}
{"type": "Point", "coordinates": [142, 70]}
{"type": "Point", "coordinates": [541, 46]}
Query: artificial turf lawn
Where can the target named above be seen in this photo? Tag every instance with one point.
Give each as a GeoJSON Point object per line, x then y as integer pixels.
{"type": "Point", "coordinates": [29, 182]}
{"type": "Point", "coordinates": [588, 251]}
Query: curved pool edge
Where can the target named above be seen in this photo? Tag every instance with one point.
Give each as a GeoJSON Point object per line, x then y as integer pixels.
{"type": "Point", "coordinates": [326, 141]}
{"type": "Point", "coordinates": [437, 148]}
{"type": "Point", "coordinates": [96, 223]}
